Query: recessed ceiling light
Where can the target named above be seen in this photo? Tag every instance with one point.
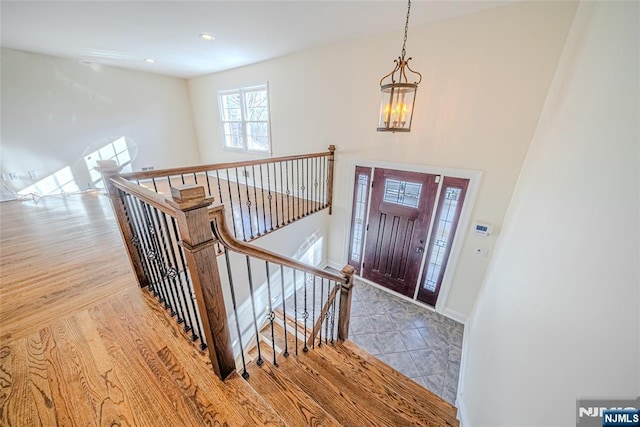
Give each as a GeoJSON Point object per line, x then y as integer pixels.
{"type": "Point", "coordinates": [206, 36]}
{"type": "Point", "coordinates": [149, 60]}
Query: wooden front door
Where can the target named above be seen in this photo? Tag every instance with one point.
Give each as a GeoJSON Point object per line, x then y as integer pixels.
{"type": "Point", "coordinates": [401, 208]}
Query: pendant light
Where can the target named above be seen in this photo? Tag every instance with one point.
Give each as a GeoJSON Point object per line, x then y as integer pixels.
{"type": "Point", "coordinates": [398, 95]}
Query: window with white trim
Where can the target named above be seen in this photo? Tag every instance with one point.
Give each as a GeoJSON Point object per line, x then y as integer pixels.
{"type": "Point", "coordinates": [244, 114]}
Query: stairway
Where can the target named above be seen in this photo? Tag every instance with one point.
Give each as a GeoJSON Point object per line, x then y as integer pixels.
{"type": "Point", "coordinates": [340, 385]}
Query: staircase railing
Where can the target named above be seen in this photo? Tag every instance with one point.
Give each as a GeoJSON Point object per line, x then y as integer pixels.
{"type": "Point", "coordinates": [173, 244]}
{"type": "Point", "coordinates": [284, 282]}
{"type": "Point", "coordinates": [261, 195]}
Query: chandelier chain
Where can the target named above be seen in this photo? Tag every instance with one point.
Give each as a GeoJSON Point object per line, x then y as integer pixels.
{"type": "Point", "coordinates": [406, 30]}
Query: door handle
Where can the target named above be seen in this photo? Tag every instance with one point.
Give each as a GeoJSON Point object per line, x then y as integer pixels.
{"type": "Point", "coordinates": [420, 249]}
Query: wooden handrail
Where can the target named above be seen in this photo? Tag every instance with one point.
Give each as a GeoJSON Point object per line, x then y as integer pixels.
{"type": "Point", "coordinates": [217, 166]}
{"type": "Point", "coordinates": [217, 217]}
{"type": "Point", "coordinates": [150, 197]}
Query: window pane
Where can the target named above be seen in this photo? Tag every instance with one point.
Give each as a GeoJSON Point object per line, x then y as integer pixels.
{"type": "Point", "coordinates": [231, 108]}
{"type": "Point", "coordinates": [358, 218]}
{"type": "Point", "coordinates": [402, 193]}
{"type": "Point", "coordinates": [233, 135]}
{"type": "Point", "coordinates": [443, 237]}
{"type": "Point", "coordinates": [257, 106]}
{"type": "Point", "coordinates": [258, 136]}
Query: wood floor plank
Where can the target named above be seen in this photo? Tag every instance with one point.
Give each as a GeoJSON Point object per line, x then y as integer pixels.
{"type": "Point", "coordinates": [290, 401]}
{"type": "Point", "coordinates": [328, 395]}
{"type": "Point", "coordinates": [234, 394]}
{"type": "Point", "coordinates": [142, 373]}
{"type": "Point", "coordinates": [17, 406]}
{"type": "Point", "coordinates": [67, 369]}
{"type": "Point", "coordinates": [112, 406]}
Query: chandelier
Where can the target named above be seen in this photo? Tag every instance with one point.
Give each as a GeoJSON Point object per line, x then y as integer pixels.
{"type": "Point", "coordinates": [398, 95]}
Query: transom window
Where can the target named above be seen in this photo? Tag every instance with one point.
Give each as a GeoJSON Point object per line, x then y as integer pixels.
{"type": "Point", "coordinates": [244, 114]}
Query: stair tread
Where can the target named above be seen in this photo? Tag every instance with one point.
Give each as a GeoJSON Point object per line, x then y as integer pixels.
{"type": "Point", "coordinates": [385, 403]}
{"type": "Point", "coordinates": [328, 395]}
{"type": "Point", "coordinates": [294, 405]}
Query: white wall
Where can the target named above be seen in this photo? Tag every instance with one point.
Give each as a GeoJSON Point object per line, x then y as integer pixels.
{"type": "Point", "coordinates": [485, 80]}
{"type": "Point", "coordinates": [54, 109]}
{"type": "Point", "coordinates": [557, 318]}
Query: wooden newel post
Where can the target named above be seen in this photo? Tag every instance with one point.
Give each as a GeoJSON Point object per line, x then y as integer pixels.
{"type": "Point", "coordinates": [109, 169]}
{"type": "Point", "coordinates": [332, 159]}
{"type": "Point", "coordinates": [345, 303]}
{"type": "Point", "coordinates": [199, 247]}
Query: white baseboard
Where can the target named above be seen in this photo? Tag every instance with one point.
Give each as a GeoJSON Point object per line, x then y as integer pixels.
{"type": "Point", "coordinates": [334, 264]}
{"type": "Point", "coordinates": [462, 412]}
{"type": "Point", "coordinates": [455, 315]}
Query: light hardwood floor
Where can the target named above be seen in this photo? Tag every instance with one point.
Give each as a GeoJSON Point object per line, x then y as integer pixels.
{"type": "Point", "coordinates": [82, 345]}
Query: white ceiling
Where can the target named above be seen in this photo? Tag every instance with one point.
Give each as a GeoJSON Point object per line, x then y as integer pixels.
{"type": "Point", "coordinates": [125, 33]}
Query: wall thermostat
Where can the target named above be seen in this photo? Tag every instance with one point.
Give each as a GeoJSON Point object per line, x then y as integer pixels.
{"type": "Point", "coordinates": [482, 228]}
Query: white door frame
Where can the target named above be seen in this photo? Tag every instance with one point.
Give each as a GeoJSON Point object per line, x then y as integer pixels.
{"type": "Point", "coordinates": [474, 177]}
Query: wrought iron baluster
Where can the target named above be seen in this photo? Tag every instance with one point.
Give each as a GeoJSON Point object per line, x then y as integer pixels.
{"type": "Point", "coordinates": [255, 199]}
{"type": "Point", "coordinates": [326, 317]}
{"type": "Point", "coordinates": [325, 196]}
{"type": "Point", "coordinates": [177, 277]}
{"type": "Point", "coordinates": [253, 309]}
{"type": "Point", "coordinates": [206, 177]}
{"type": "Point", "coordinates": [147, 254]}
{"type": "Point", "coordinates": [270, 196]}
{"type": "Point", "coordinates": [284, 313]}
{"type": "Point", "coordinates": [125, 199]}
{"type": "Point", "coordinates": [316, 163]}
{"type": "Point", "coordinates": [333, 316]}
{"type": "Point", "coordinates": [298, 188]}
{"type": "Point", "coordinates": [264, 210]}
{"type": "Point", "coordinates": [155, 186]}
{"type": "Point", "coordinates": [295, 309]}
{"type": "Point", "coordinates": [195, 178]}
{"type": "Point", "coordinates": [168, 280]}
{"type": "Point", "coordinates": [308, 176]}
{"type": "Point", "coordinates": [313, 310]}
{"type": "Point", "coordinates": [321, 305]}
{"type": "Point", "coordinates": [245, 374]}
{"type": "Point", "coordinates": [233, 212]}
{"type": "Point", "coordinates": [272, 315]}
{"type": "Point", "coordinates": [246, 184]}
{"type": "Point", "coordinates": [169, 182]}
{"type": "Point", "coordinates": [244, 234]}
{"type": "Point", "coordinates": [192, 322]}
{"type": "Point", "coordinates": [286, 165]}
{"type": "Point", "coordinates": [312, 179]}
{"type": "Point", "coordinates": [305, 314]}
{"type": "Point", "coordinates": [182, 178]}
{"type": "Point", "coordinates": [155, 253]}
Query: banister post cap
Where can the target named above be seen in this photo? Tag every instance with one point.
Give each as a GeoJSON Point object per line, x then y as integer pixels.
{"type": "Point", "coordinates": [188, 197]}
{"type": "Point", "coordinates": [332, 148]}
